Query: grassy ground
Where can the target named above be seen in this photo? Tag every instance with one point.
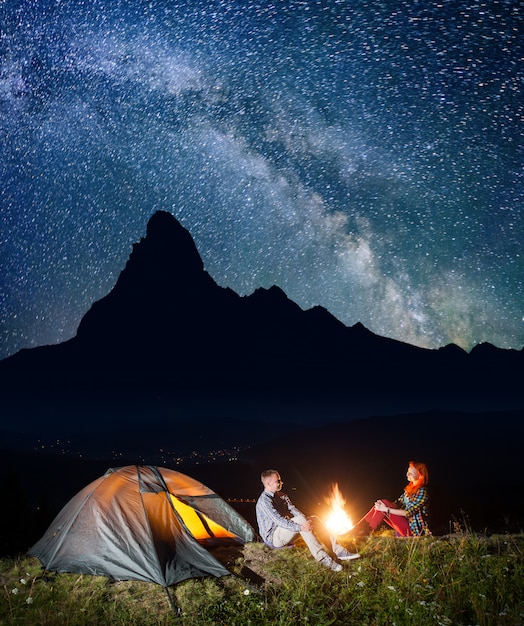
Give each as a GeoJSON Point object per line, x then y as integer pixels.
{"type": "Point", "coordinates": [462, 579]}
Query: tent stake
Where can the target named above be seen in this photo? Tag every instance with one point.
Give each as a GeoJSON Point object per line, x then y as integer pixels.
{"type": "Point", "coordinates": [176, 609]}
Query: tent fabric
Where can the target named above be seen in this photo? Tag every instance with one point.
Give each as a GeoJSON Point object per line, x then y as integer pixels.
{"type": "Point", "coordinates": [141, 523]}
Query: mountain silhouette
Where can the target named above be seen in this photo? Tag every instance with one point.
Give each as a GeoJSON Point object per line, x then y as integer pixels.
{"type": "Point", "coordinates": [167, 324]}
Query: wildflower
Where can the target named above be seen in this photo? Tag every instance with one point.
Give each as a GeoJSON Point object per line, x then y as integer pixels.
{"type": "Point", "coordinates": [246, 592]}
{"type": "Point", "coordinates": [29, 600]}
{"type": "Point", "coordinates": [391, 588]}
{"type": "Point", "coordinates": [360, 583]}
{"type": "Point", "coordinates": [14, 591]}
{"type": "Point", "coordinates": [23, 581]}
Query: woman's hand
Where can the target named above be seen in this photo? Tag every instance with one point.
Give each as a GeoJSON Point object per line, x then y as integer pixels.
{"type": "Point", "coordinates": [380, 506]}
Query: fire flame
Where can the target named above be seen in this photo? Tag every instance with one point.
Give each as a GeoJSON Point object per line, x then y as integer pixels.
{"type": "Point", "coordinates": [337, 522]}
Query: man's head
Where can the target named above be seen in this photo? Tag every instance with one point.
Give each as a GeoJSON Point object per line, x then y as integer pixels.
{"type": "Point", "coordinates": [271, 480]}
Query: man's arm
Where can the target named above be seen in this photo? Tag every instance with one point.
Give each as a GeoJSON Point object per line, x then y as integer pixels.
{"type": "Point", "coordinates": [292, 508]}
{"type": "Point", "coordinates": [268, 516]}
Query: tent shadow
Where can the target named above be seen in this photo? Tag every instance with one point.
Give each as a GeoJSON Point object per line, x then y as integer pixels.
{"type": "Point", "coordinates": [232, 558]}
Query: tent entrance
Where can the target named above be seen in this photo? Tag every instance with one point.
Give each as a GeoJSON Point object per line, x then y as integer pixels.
{"type": "Point", "coordinates": [199, 525]}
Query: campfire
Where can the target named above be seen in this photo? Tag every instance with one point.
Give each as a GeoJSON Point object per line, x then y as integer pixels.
{"type": "Point", "coordinates": [337, 521]}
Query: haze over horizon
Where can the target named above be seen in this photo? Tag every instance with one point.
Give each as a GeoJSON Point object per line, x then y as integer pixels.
{"type": "Point", "coordinates": [365, 158]}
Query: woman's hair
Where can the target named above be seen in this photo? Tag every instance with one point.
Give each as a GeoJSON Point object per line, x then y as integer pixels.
{"type": "Point", "coordinates": [422, 480]}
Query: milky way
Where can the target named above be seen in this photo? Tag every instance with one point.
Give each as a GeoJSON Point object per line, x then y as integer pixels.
{"type": "Point", "coordinates": [364, 156]}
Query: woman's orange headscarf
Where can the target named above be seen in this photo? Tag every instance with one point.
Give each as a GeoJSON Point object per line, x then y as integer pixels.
{"type": "Point", "coordinates": [422, 479]}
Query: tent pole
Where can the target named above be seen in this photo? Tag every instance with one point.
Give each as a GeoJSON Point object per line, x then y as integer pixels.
{"type": "Point", "coordinates": [177, 610]}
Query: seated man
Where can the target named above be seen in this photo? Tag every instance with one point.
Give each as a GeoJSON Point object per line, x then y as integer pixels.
{"type": "Point", "coordinates": [280, 522]}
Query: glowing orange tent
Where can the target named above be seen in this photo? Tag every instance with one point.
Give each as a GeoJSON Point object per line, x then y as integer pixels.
{"type": "Point", "coordinates": [141, 523]}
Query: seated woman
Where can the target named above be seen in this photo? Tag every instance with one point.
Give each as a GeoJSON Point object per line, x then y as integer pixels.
{"type": "Point", "coordinates": [409, 515]}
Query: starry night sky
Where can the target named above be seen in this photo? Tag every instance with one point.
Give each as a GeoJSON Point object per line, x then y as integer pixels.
{"type": "Point", "coordinates": [364, 156]}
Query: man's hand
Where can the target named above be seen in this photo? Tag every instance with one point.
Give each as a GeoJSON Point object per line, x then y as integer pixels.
{"type": "Point", "coordinates": [307, 526]}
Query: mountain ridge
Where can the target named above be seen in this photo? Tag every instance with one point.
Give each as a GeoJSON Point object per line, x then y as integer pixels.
{"type": "Point", "coordinates": [167, 325]}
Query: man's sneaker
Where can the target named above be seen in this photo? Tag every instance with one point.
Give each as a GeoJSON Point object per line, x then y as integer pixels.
{"type": "Point", "coordinates": [345, 555]}
{"type": "Point", "coordinates": [327, 561]}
